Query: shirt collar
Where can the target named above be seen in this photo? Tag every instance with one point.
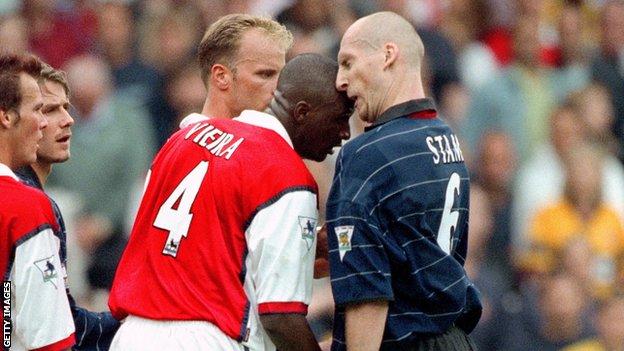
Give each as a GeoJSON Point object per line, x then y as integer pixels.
{"type": "Point", "coordinates": [7, 172]}
{"type": "Point", "coordinates": [28, 175]}
{"type": "Point", "coordinates": [418, 108]}
{"type": "Point", "coordinates": [192, 119]}
{"type": "Point", "coordinates": [264, 120]}
{"type": "Point", "coordinates": [259, 119]}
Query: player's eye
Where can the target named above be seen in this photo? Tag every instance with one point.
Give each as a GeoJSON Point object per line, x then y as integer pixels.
{"type": "Point", "coordinates": [267, 73]}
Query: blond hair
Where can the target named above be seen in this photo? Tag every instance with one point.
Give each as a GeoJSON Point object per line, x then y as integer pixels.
{"type": "Point", "coordinates": [221, 41]}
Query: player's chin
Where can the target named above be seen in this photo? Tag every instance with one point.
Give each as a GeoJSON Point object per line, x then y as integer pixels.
{"type": "Point", "coordinates": [58, 156]}
{"type": "Point", "coordinates": [319, 157]}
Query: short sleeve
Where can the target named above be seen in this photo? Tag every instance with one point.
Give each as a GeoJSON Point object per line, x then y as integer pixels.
{"type": "Point", "coordinates": [359, 265]}
{"type": "Point", "coordinates": [41, 313]}
{"type": "Point", "coordinates": [281, 240]}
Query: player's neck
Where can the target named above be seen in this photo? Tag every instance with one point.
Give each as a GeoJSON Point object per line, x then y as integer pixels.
{"type": "Point", "coordinates": [42, 170]}
{"type": "Point", "coordinates": [216, 108]}
{"type": "Point", "coordinates": [6, 157]}
{"type": "Point", "coordinates": [6, 160]}
{"type": "Point", "coordinates": [403, 90]}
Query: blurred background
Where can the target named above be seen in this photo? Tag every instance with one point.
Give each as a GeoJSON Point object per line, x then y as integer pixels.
{"type": "Point", "coordinates": [535, 90]}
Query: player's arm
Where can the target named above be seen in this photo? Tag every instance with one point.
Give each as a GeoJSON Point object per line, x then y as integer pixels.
{"type": "Point", "coordinates": [42, 318]}
{"type": "Point", "coordinates": [321, 263]}
{"type": "Point", "coordinates": [93, 330]}
{"type": "Point", "coordinates": [283, 252]}
{"type": "Point", "coordinates": [365, 324]}
{"type": "Point", "coordinates": [360, 275]}
{"type": "Point", "coordinates": [289, 332]}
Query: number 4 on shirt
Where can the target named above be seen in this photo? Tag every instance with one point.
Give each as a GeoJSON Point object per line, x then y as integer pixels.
{"type": "Point", "coordinates": [178, 220]}
{"type": "Point", "coordinates": [449, 218]}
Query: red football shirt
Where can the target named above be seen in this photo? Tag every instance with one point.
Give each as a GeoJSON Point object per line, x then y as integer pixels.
{"type": "Point", "coordinates": [225, 230]}
{"type": "Point", "coordinates": [29, 259]}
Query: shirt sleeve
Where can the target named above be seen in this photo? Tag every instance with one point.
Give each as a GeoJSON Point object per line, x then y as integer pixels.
{"type": "Point", "coordinates": [281, 241]}
{"type": "Point", "coordinates": [359, 265]}
{"type": "Point", "coordinates": [41, 313]}
{"type": "Point", "coordinates": [94, 330]}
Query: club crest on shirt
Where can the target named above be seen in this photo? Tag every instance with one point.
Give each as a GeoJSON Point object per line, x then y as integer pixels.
{"type": "Point", "coordinates": [344, 234]}
{"type": "Point", "coordinates": [48, 270]}
{"type": "Point", "coordinates": [308, 227]}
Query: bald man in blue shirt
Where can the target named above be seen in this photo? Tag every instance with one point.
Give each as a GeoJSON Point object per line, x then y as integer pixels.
{"type": "Point", "coordinates": [397, 213]}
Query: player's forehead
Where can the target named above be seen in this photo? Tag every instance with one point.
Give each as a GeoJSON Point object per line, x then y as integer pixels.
{"type": "Point", "coordinates": [261, 63]}
{"type": "Point", "coordinates": [53, 92]}
{"type": "Point", "coordinates": [29, 89]}
{"type": "Point", "coordinates": [258, 45]}
{"type": "Point", "coordinates": [354, 48]}
{"type": "Point", "coordinates": [338, 109]}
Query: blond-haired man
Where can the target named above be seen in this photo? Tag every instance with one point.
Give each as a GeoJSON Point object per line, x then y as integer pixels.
{"type": "Point", "coordinates": [240, 57]}
{"type": "Point", "coordinates": [208, 266]}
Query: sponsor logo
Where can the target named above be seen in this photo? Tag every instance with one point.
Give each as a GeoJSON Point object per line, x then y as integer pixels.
{"type": "Point", "coordinates": [344, 234]}
{"type": "Point", "coordinates": [48, 270]}
{"type": "Point", "coordinates": [308, 230]}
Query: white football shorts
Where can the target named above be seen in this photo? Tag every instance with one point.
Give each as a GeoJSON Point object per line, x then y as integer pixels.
{"type": "Point", "coordinates": [140, 334]}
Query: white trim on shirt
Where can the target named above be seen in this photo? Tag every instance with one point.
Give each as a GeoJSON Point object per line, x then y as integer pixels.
{"type": "Point", "coordinates": [7, 172]}
{"type": "Point", "coordinates": [192, 119]}
{"type": "Point", "coordinates": [255, 118]}
{"type": "Point", "coordinates": [264, 120]}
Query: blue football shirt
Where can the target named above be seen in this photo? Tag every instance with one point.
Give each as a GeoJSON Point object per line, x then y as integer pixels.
{"type": "Point", "coordinates": [397, 218]}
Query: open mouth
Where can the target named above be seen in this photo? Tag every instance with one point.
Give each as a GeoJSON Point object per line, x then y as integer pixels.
{"type": "Point", "coordinates": [64, 139]}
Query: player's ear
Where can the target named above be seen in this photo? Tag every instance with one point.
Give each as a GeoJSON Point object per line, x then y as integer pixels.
{"type": "Point", "coordinates": [221, 76]}
{"type": "Point", "coordinates": [6, 119]}
{"type": "Point", "coordinates": [391, 53]}
{"type": "Point", "coordinates": [301, 110]}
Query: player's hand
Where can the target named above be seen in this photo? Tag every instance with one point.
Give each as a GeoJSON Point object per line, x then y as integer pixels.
{"type": "Point", "coordinates": [322, 248]}
{"type": "Point", "coordinates": [321, 268]}
{"type": "Point", "coordinates": [321, 264]}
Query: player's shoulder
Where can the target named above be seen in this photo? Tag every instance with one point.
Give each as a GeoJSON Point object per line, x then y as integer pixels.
{"type": "Point", "coordinates": [267, 143]}
{"type": "Point", "coordinates": [16, 192]}
{"type": "Point", "coordinates": [27, 208]}
{"type": "Point", "coordinates": [270, 156]}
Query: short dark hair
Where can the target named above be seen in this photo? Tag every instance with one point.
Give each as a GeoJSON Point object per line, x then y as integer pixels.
{"type": "Point", "coordinates": [11, 66]}
{"type": "Point", "coordinates": [48, 73]}
{"type": "Point", "coordinates": [222, 39]}
{"type": "Point", "coordinates": [309, 77]}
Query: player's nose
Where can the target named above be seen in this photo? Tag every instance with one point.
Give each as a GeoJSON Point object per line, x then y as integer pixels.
{"type": "Point", "coordinates": [43, 121]}
{"type": "Point", "coordinates": [341, 82]}
{"type": "Point", "coordinates": [68, 120]}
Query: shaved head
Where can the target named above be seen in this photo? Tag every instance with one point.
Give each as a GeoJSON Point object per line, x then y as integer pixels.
{"type": "Point", "coordinates": [309, 77]}
{"type": "Point", "coordinates": [379, 62]}
{"type": "Point", "coordinates": [313, 112]}
{"type": "Point", "coordinates": [382, 27]}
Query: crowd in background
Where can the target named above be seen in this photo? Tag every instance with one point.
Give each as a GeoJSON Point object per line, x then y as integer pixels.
{"type": "Point", "coordinates": [535, 90]}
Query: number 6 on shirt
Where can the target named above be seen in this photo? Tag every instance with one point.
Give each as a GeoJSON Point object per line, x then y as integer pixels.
{"type": "Point", "coordinates": [177, 221]}
{"type": "Point", "coordinates": [449, 218]}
